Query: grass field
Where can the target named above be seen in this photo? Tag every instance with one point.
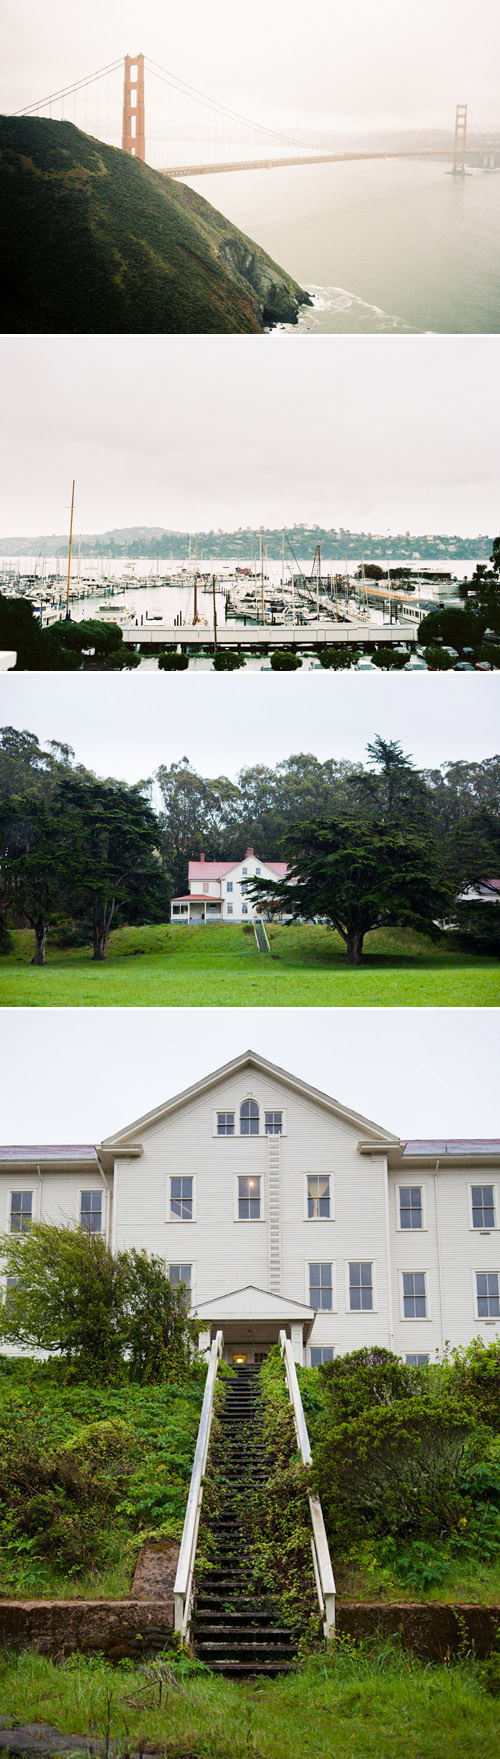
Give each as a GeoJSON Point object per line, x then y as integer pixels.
{"type": "Point", "coordinates": [220, 967]}
{"type": "Point", "coordinates": [349, 1705]}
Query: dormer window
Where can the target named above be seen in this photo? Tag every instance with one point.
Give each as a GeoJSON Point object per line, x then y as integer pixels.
{"type": "Point", "coordinates": [249, 1118]}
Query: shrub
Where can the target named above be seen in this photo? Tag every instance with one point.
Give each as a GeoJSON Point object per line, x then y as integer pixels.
{"type": "Point", "coordinates": [228, 660]}
{"type": "Point", "coordinates": [284, 661]}
{"type": "Point", "coordinates": [173, 662]}
{"type": "Point", "coordinates": [337, 659]}
{"type": "Point", "coordinates": [394, 1469]}
{"type": "Point", "coordinates": [438, 659]}
{"type": "Point", "coordinates": [388, 660]}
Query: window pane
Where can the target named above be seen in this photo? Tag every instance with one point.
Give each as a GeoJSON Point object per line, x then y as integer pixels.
{"type": "Point", "coordinates": [274, 1121]}
{"type": "Point", "coordinates": [483, 1206]}
{"type": "Point", "coordinates": [414, 1295]}
{"type": "Point", "coordinates": [91, 1212]}
{"type": "Point", "coordinates": [225, 1123]}
{"type": "Point", "coordinates": [21, 1211]}
{"type": "Point", "coordinates": [318, 1197]}
{"type": "Point", "coordinates": [360, 1288]}
{"type": "Point", "coordinates": [249, 1118]}
{"type": "Point", "coordinates": [410, 1206]}
{"type": "Point", "coordinates": [320, 1286]}
{"type": "Point", "coordinates": [181, 1199]}
{"type": "Point", "coordinates": [249, 1199]}
{"type": "Point", "coordinates": [180, 1273]}
{"type": "Point", "coordinates": [416, 1361]}
{"type": "Point", "coordinates": [321, 1355]}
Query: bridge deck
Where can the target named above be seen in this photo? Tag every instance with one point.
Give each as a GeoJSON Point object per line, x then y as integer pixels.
{"type": "Point", "coordinates": [322, 159]}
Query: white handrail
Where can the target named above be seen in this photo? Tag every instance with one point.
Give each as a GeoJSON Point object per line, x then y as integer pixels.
{"type": "Point", "coordinates": [183, 1587]}
{"type": "Point", "coordinates": [323, 1571]}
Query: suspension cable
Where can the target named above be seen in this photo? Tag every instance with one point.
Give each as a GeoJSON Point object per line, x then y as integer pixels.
{"type": "Point", "coordinates": [222, 109]}
{"type": "Point", "coordinates": [66, 91]}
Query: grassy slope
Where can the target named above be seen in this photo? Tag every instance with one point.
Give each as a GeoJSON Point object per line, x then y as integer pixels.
{"type": "Point", "coordinates": [95, 241]}
{"type": "Point", "coordinates": [343, 1707]}
{"type": "Point", "coordinates": [220, 967]}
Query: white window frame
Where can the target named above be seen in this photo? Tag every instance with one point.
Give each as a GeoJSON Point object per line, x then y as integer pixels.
{"type": "Point", "coordinates": [414, 1270]}
{"type": "Point", "coordinates": [320, 1346]}
{"type": "Point", "coordinates": [322, 1310]}
{"type": "Point", "coordinates": [192, 1290]}
{"type": "Point", "coordinates": [314, 1221]}
{"type": "Point", "coordinates": [409, 1232]}
{"type": "Point", "coordinates": [102, 1231]}
{"type": "Point", "coordinates": [248, 1135]}
{"type": "Point", "coordinates": [424, 1353]}
{"type": "Point", "coordinates": [217, 1114]}
{"type": "Point", "coordinates": [14, 1192]}
{"type": "Point", "coordinates": [178, 1221]}
{"type": "Point", "coordinates": [482, 1270]}
{"type": "Point", "coordinates": [249, 1221]}
{"type": "Point", "coordinates": [479, 1232]}
{"type": "Point", "coordinates": [361, 1312]}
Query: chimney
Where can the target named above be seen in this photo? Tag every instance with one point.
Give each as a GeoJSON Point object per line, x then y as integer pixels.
{"type": "Point", "coordinates": [202, 857]}
{"type": "Point", "coordinates": [248, 852]}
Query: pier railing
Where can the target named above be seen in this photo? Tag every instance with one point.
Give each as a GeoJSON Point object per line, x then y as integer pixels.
{"type": "Point", "coordinates": [183, 1588]}
{"type": "Point", "coordinates": [322, 1563]}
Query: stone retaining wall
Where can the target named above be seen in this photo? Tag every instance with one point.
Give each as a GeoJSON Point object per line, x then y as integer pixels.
{"type": "Point", "coordinates": [133, 1627]}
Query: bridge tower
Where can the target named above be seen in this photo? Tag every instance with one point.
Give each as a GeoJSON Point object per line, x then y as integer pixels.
{"type": "Point", "coordinates": [134, 119]}
{"type": "Point", "coordinates": [460, 140]}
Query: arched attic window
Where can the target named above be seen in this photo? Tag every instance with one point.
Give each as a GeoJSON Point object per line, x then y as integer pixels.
{"type": "Point", "coordinates": [249, 1118]}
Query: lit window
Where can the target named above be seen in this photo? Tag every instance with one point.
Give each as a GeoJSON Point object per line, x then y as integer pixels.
{"type": "Point", "coordinates": [414, 1295]}
{"type": "Point", "coordinates": [180, 1273]}
{"type": "Point", "coordinates": [181, 1200]}
{"type": "Point", "coordinates": [318, 1197]}
{"type": "Point", "coordinates": [21, 1211]}
{"type": "Point", "coordinates": [274, 1123]}
{"type": "Point", "coordinates": [410, 1206]}
{"type": "Point", "coordinates": [249, 1118]}
{"type": "Point", "coordinates": [483, 1206]}
{"type": "Point", "coordinates": [417, 1361]}
{"type": "Point", "coordinates": [91, 1212]}
{"type": "Point", "coordinates": [320, 1286]}
{"type": "Point", "coordinates": [360, 1288]}
{"type": "Point", "coordinates": [319, 1356]}
{"type": "Point", "coordinates": [225, 1123]}
{"type": "Point", "coordinates": [488, 1295]}
{"type": "Point", "coordinates": [248, 1199]}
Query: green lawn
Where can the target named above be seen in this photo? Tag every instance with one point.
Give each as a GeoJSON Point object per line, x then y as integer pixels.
{"type": "Point", "coordinates": [351, 1705]}
{"type": "Point", "coordinates": [220, 967]}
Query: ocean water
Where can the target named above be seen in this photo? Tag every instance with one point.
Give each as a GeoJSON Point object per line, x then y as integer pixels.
{"type": "Point", "coordinates": [396, 246]}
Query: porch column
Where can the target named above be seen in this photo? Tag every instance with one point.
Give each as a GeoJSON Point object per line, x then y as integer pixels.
{"type": "Point", "coordinates": [297, 1342]}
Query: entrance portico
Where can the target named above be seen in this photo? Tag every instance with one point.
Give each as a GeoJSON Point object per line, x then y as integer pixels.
{"type": "Point", "coordinates": [251, 1320]}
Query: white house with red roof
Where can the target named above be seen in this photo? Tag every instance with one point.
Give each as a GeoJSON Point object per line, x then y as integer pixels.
{"type": "Point", "coordinates": [218, 889]}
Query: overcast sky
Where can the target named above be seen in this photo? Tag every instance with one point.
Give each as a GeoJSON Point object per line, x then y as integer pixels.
{"type": "Point", "coordinates": [338, 62]}
{"type": "Point", "coordinates": [125, 726]}
{"type": "Point", "coordinates": [191, 433]}
{"type": "Point", "coordinates": [76, 1076]}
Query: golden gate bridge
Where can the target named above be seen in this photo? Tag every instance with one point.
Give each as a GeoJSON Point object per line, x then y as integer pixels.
{"type": "Point", "coordinates": [123, 104]}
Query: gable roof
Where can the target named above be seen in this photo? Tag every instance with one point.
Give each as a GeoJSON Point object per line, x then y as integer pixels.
{"type": "Point", "coordinates": [199, 870]}
{"type": "Point", "coordinates": [251, 1060]}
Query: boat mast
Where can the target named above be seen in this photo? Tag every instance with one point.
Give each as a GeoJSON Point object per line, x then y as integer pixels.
{"type": "Point", "coordinates": [215, 610]}
{"type": "Point", "coordinates": [262, 615]}
{"type": "Point", "coordinates": [70, 544]}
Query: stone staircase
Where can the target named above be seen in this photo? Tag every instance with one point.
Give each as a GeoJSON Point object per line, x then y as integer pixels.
{"type": "Point", "coordinates": [235, 1628]}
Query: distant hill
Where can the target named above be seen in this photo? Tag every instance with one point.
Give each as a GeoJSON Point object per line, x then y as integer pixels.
{"type": "Point", "coordinates": [148, 542]}
{"type": "Point", "coordinates": [93, 240]}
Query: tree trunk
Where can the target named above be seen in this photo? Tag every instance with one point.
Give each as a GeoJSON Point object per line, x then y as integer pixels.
{"type": "Point", "coordinates": [103, 917]}
{"type": "Point", "coordinates": [40, 943]}
{"type": "Point", "coordinates": [100, 943]}
{"type": "Point", "coordinates": [355, 938]}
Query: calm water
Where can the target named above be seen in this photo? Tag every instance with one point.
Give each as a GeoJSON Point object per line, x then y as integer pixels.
{"type": "Point", "coordinates": [388, 245]}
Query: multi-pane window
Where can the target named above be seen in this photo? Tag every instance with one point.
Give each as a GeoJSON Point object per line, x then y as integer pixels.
{"type": "Point", "coordinates": [274, 1123]}
{"type": "Point", "coordinates": [414, 1295]}
{"type": "Point", "coordinates": [225, 1123]}
{"type": "Point", "coordinates": [91, 1212]}
{"type": "Point", "coordinates": [321, 1286]}
{"type": "Point", "coordinates": [318, 1197]}
{"type": "Point", "coordinates": [488, 1294]}
{"type": "Point", "coordinates": [181, 1199]}
{"type": "Point", "coordinates": [229, 885]}
{"type": "Point", "coordinates": [483, 1206]}
{"type": "Point", "coordinates": [361, 1288]}
{"type": "Point", "coordinates": [244, 909]}
{"type": "Point", "coordinates": [21, 1211]}
{"type": "Point", "coordinates": [319, 1356]}
{"type": "Point", "coordinates": [229, 909]}
{"type": "Point", "coordinates": [249, 1118]}
{"type": "Point", "coordinates": [410, 1206]}
{"type": "Point", "coordinates": [249, 1199]}
{"type": "Point", "coordinates": [257, 870]}
{"type": "Point", "coordinates": [180, 1273]}
{"type": "Point", "coordinates": [244, 869]}
{"type": "Point", "coordinates": [11, 1283]}
{"type": "Point", "coordinates": [416, 1361]}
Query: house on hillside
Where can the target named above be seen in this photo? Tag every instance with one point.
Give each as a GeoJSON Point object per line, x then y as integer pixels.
{"type": "Point", "coordinates": [281, 1209]}
{"type": "Point", "coordinates": [218, 889]}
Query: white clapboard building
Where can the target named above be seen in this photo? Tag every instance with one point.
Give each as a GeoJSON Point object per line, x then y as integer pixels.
{"type": "Point", "coordinates": [218, 890]}
{"type": "Point", "coordinates": [283, 1210]}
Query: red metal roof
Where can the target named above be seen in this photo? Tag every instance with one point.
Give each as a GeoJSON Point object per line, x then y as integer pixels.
{"type": "Point", "coordinates": [41, 1152]}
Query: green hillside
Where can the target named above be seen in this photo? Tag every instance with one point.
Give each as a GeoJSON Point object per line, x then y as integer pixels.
{"type": "Point", "coordinates": [93, 240]}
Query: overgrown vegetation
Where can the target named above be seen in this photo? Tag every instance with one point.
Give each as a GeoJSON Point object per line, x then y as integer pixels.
{"type": "Point", "coordinates": [93, 239]}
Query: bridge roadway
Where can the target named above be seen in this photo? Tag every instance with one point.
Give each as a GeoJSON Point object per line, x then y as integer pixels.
{"type": "Point", "coordinates": [474, 153]}
{"type": "Point", "coordinates": [257, 635]}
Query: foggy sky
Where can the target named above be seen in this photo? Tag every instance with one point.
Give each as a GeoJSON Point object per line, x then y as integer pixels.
{"type": "Point", "coordinates": [383, 63]}
{"type": "Point", "coordinates": [191, 433]}
{"type": "Point", "coordinates": [93, 1071]}
{"type": "Point", "coordinates": [126, 726]}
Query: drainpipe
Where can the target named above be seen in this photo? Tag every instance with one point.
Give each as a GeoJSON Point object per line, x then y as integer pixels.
{"type": "Point", "coordinates": [438, 1240]}
{"type": "Point", "coordinates": [390, 1314]}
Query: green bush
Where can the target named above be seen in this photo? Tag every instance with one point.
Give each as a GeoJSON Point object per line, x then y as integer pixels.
{"type": "Point", "coordinates": [173, 662]}
{"type": "Point", "coordinates": [228, 660]}
{"type": "Point", "coordinates": [338, 659]}
{"type": "Point", "coordinates": [438, 659]}
{"type": "Point", "coordinates": [388, 660]}
{"type": "Point", "coordinates": [283, 661]}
